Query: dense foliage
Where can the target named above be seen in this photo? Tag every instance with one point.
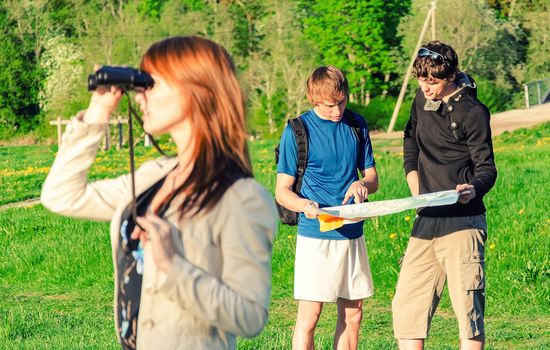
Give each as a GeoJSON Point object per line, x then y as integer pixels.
{"type": "Point", "coordinates": [48, 47]}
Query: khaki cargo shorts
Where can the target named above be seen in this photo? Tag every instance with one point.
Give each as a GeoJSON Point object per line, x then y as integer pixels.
{"type": "Point", "coordinates": [459, 258]}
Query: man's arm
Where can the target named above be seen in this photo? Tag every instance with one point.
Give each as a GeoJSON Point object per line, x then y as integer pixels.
{"type": "Point", "coordinates": [290, 200]}
{"type": "Point", "coordinates": [410, 146]}
{"type": "Point", "coordinates": [410, 152]}
{"type": "Point", "coordinates": [480, 146]}
{"type": "Point", "coordinates": [412, 181]}
{"type": "Point", "coordinates": [370, 179]}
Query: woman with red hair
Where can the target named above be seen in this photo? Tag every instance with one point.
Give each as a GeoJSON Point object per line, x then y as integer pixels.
{"type": "Point", "coordinates": [194, 271]}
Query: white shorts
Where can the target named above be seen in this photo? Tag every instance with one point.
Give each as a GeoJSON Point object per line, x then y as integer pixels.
{"type": "Point", "coordinates": [325, 270]}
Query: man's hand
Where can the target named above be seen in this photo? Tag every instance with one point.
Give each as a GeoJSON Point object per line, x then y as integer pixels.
{"type": "Point", "coordinates": [466, 193]}
{"type": "Point", "coordinates": [358, 190]}
{"type": "Point", "coordinates": [310, 209]}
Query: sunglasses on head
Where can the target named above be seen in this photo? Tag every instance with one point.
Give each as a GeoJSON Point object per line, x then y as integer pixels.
{"type": "Point", "coordinates": [437, 58]}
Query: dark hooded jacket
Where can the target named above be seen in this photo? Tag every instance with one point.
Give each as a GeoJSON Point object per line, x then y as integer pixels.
{"type": "Point", "coordinates": [450, 144]}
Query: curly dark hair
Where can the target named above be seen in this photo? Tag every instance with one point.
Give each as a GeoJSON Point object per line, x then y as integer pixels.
{"type": "Point", "coordinates": [441, 61]}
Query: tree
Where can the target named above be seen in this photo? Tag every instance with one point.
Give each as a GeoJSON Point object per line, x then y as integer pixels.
{"type": "Point", "coordinates": [503, 8]}
{"type": "Point", "coordinates": [32, 21]}
{"type": "Point", "coordinates": [534, 17]}
{"type": "Point", "coordinates": [247, 15]}
{"type": "Point", "coordinates": [62, 63]}
{"type": "Point", "coordinates": [489, 48]}
{"type": "Point", "coordinates": [19, 82]}
{"type": "Point", "coordinates": [151, 8]}
{"type": "Point", "coordinates": [358, 37]}
{"type": "Point", "coordinates": [209, 18]}
{"type": "Point", "coordinates": [113, 32]}
{"type": "Point", "coordinates": [277, 73]}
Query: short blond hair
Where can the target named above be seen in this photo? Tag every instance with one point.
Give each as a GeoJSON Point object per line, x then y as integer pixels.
{"type": "Point", "coordinates": [327, 83]}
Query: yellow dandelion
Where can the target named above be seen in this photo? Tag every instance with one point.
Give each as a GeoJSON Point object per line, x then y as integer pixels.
{"type": "Point", "coordinates": [407, 218]}
{"type": "Point", "coordinates": [492, 246]}
{"type": "Point", "coordinates": [290, 236]}
{"type": "Point", "coordinates": [521, 211]}
{"type": "Point", "coordinates": [393, 235]}
{"type": "Point", "coordinates": [548, 221]}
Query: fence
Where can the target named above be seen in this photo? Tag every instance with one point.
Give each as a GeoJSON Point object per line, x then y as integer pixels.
{"type": "Point", "coordinates": [107, 142]}
{"type": "Point", "coordinates": [537, 92]}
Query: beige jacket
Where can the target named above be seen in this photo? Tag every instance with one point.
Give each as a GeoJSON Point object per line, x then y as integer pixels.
{"type": "Point", "coordinates": [220, 283]}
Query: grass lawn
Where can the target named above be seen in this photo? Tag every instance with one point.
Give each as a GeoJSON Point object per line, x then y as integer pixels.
{"type": "Point", "coordinates": [56, 273]}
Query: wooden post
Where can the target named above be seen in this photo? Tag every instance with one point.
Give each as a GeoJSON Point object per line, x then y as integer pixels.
{"type": "Point", "coordinates": [433, 19]}
{"type": "Point", "coordinates": [119, 125]}
{"type": "Point", "coordinates": [538, 92]}
{"type": "Point", "coordinates": [526, 89]}
{"type": "Point", "coordinates": [59, 132]}
{"type": "Point", "coordinates": [60, 122]}
{"type": "Point", "coordinates": [409, 69]}
{"type": "Point", "coordinates": [107, 138]}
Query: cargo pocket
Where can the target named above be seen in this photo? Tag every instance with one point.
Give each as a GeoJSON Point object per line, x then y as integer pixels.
{"type": "Point", "coordinates": [473, 271]}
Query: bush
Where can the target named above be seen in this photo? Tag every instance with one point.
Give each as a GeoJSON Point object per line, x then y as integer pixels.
{"type": "Point", "coordinates": [379, 111]}
{"type": "Point", "coordinates": [7, 118]}
{"type": "Point", "coordinates": [496, 98]}
{"type": "Point", "coordinates": [19, 82]}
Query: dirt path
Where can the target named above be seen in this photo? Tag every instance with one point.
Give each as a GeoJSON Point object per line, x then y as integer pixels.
{"type": "Point", "coordinates": [500, 122]}
{"type": "Point", "coordinates": [520, 118]}
{"type": "Point", "coordinates": [26, 203]}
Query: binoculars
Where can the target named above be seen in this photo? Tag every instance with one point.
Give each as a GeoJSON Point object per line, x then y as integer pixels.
{"type": "Point", "coordinates": [126, 78]}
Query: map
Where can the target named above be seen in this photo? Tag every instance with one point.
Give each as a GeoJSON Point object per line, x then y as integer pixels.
{"type": "Point", "coordinates": [334, 217]}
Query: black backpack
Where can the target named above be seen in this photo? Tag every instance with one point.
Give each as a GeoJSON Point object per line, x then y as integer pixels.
{"type": "Point", "coordinates": [289, 217]}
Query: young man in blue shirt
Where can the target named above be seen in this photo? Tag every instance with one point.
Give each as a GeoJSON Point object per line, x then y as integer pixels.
{"type": "Point", "coordinates": [330, 266]}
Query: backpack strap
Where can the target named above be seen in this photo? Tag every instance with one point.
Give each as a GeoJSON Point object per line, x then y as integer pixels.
{"type": "Point", "coordinates": [354, 123]}
{"type": "Point", "coordinates": [299, 130]}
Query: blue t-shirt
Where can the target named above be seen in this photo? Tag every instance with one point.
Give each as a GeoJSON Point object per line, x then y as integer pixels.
{"type": "Point", "coordinates": [332, 163]}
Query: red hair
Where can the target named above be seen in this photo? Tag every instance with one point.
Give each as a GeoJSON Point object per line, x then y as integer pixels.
{"type": "Point", "coordinates": [204, 71]}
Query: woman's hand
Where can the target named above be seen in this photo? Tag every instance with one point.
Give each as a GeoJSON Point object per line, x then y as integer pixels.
{"type": "Point", "coordinates": [102, 104]}
{"type": "Point", "coordinates": [157, 231]}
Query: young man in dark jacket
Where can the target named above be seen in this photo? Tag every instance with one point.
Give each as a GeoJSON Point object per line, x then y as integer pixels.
{"type": "Point", "coordinates": [447, 145]}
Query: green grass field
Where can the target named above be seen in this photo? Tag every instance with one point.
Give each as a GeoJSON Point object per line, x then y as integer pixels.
{"type": "Point", "coordinates": [56, 273]}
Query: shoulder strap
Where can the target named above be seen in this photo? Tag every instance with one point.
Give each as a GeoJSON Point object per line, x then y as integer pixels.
{"type": "Point", "coordinates": [299, 130]}
{"type": "Point", "coordinates": [354, 123]}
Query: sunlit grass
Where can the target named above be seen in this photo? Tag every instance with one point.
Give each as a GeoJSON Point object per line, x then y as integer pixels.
{"type": "Point", "coordinates": [56, 273]}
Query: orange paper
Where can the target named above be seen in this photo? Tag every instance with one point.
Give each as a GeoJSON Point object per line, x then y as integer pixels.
{"type": "Point", "coordinates": [329, 222]}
